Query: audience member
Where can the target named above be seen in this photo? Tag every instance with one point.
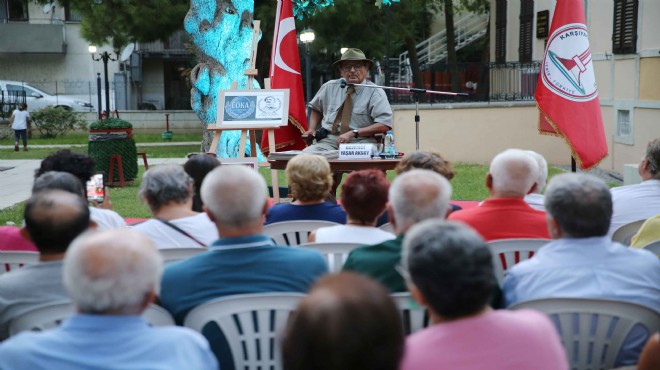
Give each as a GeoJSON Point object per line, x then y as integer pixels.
{"type": "Point", "coordinates": [428, 161]}
{"type": "Point", "coordinates": [535, 199]}
{"type": "Point", "coordinates": [112, 277]}
{"type": "Point", "coordinates": [648, 233]}
{"type": "Point", "coordinates": [363, 197]}
{"type": "Point", "coordinates": [583, 261]}
{"type": "Point", "coordinates": [639, 201]}
{"type": "Point", "coordinates": [168, 191]}
{"type": "Point", "coordinates": [450, 271]}
{"type": "Point", "coordinates": [415, 195]}
{"type": "Point", "coordinates": [650, 357]}
{"type": "Point", "coordinates": [82, 166]}
{"type": "Point", "coordinates": [505, 214]}
{"type": "Point", "coordinates": [244, 260]}
{"type": "Point", "coordinates": [53, 218]}
{"type": "Point", "coordinates": [198, 166]}
{"type": "Point", "coordinates": [310, 181]}
{"type": "Point", "coordinates": [347, 322]}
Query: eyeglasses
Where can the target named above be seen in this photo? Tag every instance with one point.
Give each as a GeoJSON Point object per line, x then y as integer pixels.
{"type": "Point", "coordinates": [347, 67]}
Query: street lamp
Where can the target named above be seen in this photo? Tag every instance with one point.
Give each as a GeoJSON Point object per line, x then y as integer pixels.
{"type": "Point", "coordinates": [307, 37]}
{"type": "Point", "coordinates": [105, 57]}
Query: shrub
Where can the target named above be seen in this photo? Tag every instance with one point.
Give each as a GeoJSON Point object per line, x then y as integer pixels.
{"type": "Point", "coordinates": [110, 123]}
{"type": "Point", "coordinates": [53, 121]}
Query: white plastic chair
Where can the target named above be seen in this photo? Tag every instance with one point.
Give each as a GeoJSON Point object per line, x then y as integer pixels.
{"type": "Point", "coordinates": [414, 317]}
{"type": "Point", "coordinates": [593, 331]}
{"type": "Point", "coordinates": [10, 260]}
{"type": "Point", "coordinates": [508, 252]}
{"type": "Point", "coordinates": [653, 247]}
{"type": "Point", "coordinates": [251, 323]}
{"type": "Point", "coordinates": [625, 233]}
{"type": "Point", "coordinates": [176, 254]}
{"type": "Point", "coordinates": [51, 315]}
{"type": "Point", "coordinates": [293, 232]}
{"type": "Point", "coordinates": [388, 227]}
{"type": "Point", "coordinates": [335, 254]}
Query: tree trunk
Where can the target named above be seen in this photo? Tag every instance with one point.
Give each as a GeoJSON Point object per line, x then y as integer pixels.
{"type": "Point", "coordinates": [451, 45]}
{"type": "Point", "coordinates": [418, 80]}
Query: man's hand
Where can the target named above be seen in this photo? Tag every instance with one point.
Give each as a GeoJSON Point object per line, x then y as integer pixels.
{"type": "Point", "coordinates": [346, 137]}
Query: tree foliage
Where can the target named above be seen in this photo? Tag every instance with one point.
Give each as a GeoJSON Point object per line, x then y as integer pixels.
{"type": "Point", "coordinates": [54, 121]}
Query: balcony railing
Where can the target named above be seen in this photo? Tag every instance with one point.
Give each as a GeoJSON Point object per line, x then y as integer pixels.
{"type": "Point", "coordinates": [175, 44]}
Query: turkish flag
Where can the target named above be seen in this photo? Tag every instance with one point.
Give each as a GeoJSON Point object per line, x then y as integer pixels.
{"type": "Point", "coordinates": [285, 74]}
{"type": "Point", "coordinates": [566, 92]}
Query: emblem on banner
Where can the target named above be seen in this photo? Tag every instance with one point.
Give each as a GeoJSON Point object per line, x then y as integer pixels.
{"type": "Point", "coordinates": [567, 69]}
{"type": "Point", "coordinates": [240, 107]}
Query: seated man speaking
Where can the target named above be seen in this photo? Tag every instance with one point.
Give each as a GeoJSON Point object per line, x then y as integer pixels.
{"type": "Point", "coordinates": [345, 110]}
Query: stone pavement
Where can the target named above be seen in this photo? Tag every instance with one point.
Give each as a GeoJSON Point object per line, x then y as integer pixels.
{"type": "Point", "coordinates": [16, 182]}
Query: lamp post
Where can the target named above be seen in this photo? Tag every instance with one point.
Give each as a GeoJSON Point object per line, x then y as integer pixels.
{"type": "Point", "coordinates": [105, 57]}
{"type": "Point", "coordinates": [307, 37]}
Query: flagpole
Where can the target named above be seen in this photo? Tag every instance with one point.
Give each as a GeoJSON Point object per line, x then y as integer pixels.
{"type": "Point", "coordinates": [573, 164]}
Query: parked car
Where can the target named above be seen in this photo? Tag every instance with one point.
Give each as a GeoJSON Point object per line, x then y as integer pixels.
{"type": "Point", "coordinates": [11, 93]}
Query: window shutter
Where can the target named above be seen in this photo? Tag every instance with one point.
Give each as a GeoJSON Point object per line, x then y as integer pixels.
{"type": "Point", "coordinates": [526, 27]}
{"type": "Point", "coordinates": [624, 33]}
{"type": "Point", "coordinates": [500, 31]}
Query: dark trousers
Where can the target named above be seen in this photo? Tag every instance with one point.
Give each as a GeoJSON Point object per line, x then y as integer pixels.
{"type": "Point", "coordinates": [21, 134]}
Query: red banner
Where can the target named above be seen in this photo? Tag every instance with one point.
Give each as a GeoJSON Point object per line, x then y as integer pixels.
{"type": "Point", "coordinates": [285, 74]}
{"type": "Point", "coordinates": [566, 92]}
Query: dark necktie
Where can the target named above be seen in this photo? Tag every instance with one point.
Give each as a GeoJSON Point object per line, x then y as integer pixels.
{"type": "Point", "coordinates": [344, 112]}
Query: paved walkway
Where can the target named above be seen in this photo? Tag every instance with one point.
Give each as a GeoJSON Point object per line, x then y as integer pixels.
{"type": "Point", "coordinates": [64, 146]}
{"type": "Point", "coordinates": [16, 183]}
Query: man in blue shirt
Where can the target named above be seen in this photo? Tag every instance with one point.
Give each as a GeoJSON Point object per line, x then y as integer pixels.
{"type": "Point", "coordinates": [112, 277]}
{"type": "Point", "coordinates": [582, 261]}
{"type": "Point", "coordinates": [243, 260]}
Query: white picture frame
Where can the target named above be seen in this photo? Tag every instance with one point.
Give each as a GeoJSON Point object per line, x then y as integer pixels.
{"type": "Point", "coordinates": [245, 109]}
{"type": "Point", "coordinates": [251, 162]}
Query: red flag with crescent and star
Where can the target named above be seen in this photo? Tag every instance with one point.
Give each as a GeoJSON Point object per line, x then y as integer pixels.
{"type": "Point", "coordinates": [566, 92]}
{"type": "Point", "coordinates": [285, 74]}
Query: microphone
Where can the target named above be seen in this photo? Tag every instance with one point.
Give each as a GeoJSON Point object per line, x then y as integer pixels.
{"type": "Point", "coordinates": [342, 82]}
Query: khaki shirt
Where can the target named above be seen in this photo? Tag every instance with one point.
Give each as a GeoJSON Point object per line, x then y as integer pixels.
{"type": "Point", "coordinates": [370, 105]}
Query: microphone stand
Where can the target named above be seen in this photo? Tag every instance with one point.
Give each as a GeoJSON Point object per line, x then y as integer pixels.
{"type": "Point", "coordinates": [416, 94]}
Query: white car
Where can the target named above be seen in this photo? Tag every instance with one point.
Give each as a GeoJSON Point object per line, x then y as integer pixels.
{"type": "Point", "coordinates": [36, 99]}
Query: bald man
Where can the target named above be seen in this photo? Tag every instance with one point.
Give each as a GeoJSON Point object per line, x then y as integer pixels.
{"type": "Point", "coordinates": [505, 214]}
{"type": "Point", "coordinates": [112, 277]}
{"type": "Point", "coordinates": [53, 218]}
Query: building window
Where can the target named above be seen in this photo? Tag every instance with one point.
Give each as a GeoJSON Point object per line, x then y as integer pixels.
{"type": "Point", "coordinates": [500, 31]}
{"type": "Point", "coordinates": [13, 11]}
{"type": "Point", "coordinates": [624, 33]}
{"type": "Point", "coordinates": [624, 129]}
{"type": "Point", "coordinates": [526, 27]}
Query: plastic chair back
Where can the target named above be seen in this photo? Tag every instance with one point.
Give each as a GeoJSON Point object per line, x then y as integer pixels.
{"type": "Point", "coordinates": [335, 254]}
{"type": "Point", "coordinates": [176, 254]}
{"type": "Point", "coordinates": [593, 331]}
{"type": "Point", "coordinates": [625, 233]}
{"type": "Point", "coordinates": [251, 323]}
{"type": "Point", "coordinates": [414, 317]}
{"type": "Point", "coordinates": [508, 252]}
{"type": "Point", "coordinates": [51, 315]}
{"type": "Point", "coordinates": [10, 260]}
{"type": "Point", "coordinates": [387, 227]}
{"type": "Point", "coordinates": [294, 232]}
{"type": "Point", "coordinates": [653, 247]}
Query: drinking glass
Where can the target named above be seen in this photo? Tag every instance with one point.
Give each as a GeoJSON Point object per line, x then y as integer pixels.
{"type": "Point", "coordinates": [377, 149]}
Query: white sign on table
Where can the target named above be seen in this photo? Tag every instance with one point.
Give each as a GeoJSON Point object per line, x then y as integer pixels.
{"type": "Point", "coordinates": [355, 151]}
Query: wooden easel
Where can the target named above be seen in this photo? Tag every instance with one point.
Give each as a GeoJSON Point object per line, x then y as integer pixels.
{"type": "Point", "coordinates": [251, 73]}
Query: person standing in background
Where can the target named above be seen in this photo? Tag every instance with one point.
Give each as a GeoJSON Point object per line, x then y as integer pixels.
{"type": "Point", "coordinates": [19, 120]}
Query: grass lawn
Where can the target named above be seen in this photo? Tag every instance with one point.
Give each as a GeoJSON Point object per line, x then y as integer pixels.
{"type": "Point", "coordinates": [79, 137]}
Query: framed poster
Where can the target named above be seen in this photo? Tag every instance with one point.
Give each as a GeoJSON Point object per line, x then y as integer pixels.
{"type": "Point", "coordinates": [244, 109]}
{"type": "Point", "coordinates": [251, 162]}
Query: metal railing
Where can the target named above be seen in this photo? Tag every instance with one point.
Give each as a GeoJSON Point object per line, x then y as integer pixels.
{"type": "Point", "coordinates": [175, 44]}
{"type": "Point", "coordinates": [434, 49]}
{"type": "Point", "coordinates": [482, 82]}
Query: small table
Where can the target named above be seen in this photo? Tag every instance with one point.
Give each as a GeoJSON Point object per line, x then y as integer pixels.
{"type": "Point", "coordinates": [337, 165]}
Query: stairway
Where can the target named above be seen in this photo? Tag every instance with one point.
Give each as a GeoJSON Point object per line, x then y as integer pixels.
{"type": "Point", "coordinates": [434, 49]}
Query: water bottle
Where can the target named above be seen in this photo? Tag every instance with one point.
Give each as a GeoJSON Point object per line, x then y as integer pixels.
{"type": "Point", "coordinates": [389, 144]}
